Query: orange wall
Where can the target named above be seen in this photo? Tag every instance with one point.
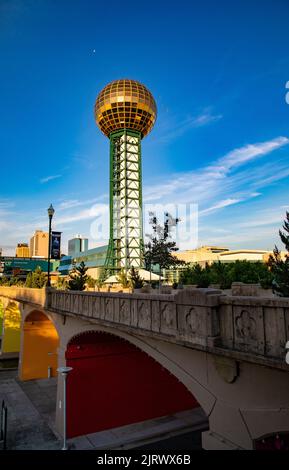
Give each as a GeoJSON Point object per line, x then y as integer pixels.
{"type": "Point", "coordinates": [40, 343]}
{"type": "Point", "coordinates": [1, 317]}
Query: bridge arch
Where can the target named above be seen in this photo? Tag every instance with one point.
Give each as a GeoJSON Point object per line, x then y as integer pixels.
{"type": "Point", "coordinates": [39, 347]}
{"type": "Point", "coordinates": [114, 382]}
{"type": "Point", "coordinates": [187, 365]}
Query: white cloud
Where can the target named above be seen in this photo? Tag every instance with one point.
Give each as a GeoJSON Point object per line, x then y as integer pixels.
{"type": "Point", "coordinates": [220, 205]}
{"type": "Point", "coordinates": [192, 122]}
{"type": "Point", "coordinates": [49, 178]}
{"type": "Point", "coordinates": [205, 118]}
{"type": "Point", "coordinates": [272, 217]}
{"type": "Point", "coordinates": [85, 214]}
{"type": "Point", "coordinates": [228, 181]}
{"type": "Point", "coordinates": [246, 239]}
{"type": "Point", "coordinates": [4, 225]}
{"type": "Point", "coordinates": [217, 180]}
{"type": "Point", "coordinates": [6, 204]}
{"type": "Point", "coordinates": [250, 152]}
{"type": "Point", "coordinates": [72, 203]}
{"type": "Point", "coordinates": [69, 204]}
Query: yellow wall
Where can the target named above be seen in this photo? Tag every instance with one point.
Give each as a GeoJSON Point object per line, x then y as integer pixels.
{"type": "Point", "coordinates": [1, 317]}
{"type": "Point", "coordinates": [40, 343]}
{"type": "Point", "coordinates": [207, 254]}
{"type": "Point", "coordinates": [22, 252]}
{"type": "Point", "coordinates": [11, 330]}
{"type": "Point", "coordinates": [39, 244]}
{"type": "Point", "coordinates": [202, 255]}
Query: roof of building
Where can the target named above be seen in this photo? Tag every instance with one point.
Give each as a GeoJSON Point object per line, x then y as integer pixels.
{"type": "Point", "coordinates": [92, 258]}
{"type": "Point", "coordinates": [235, 252]}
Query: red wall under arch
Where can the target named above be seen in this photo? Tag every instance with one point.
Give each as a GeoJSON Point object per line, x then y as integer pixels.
{"type": "Point", "coordinates": [113, 383]}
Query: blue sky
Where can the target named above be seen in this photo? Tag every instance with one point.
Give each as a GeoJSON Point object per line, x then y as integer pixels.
{"type": "Point", "coordinates": [218, 72]}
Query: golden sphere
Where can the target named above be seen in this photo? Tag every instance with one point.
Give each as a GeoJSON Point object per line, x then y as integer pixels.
{"type": "Point", "coordinates": [125, 104]}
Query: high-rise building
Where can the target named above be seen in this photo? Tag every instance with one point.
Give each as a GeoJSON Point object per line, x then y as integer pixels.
{"type": "Point", "coordinates": [39, 244]}
{"type": "Point", "coordinates": [22, 250]}
{"type": "Point", "coordinates": [125, 111]}
{"type": "Point", "coordinates": [77, 244]}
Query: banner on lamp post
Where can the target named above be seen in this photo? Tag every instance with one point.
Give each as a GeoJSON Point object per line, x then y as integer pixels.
{"type": "Point", "coordinates": [55, 245]}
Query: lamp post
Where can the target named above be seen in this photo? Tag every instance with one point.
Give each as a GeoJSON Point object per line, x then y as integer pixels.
{"type": "Point", "coordinates": [64, 371]}
{"type": "Point", "coordinates": [50, 211]}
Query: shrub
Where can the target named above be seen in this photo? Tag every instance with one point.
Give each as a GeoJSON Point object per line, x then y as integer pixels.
{"type": "Point", "coordinates": [136, 281]}
{"type": "Point", "coordinates": [78, 277]}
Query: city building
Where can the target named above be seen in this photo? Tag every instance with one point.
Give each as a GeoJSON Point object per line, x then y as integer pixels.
{"type": "Point", "coordinates": [20, 267]}
{"type": "Point", "coordinates": [214, 254]}
{"type": "Point", "coordinates": [125, 112]}
{"type": "Point", "coordinates": [94, 260]}
{"type": "Point", "coordinates": [22, 250]}
{"type": "Point", "coordinates": [39, 244]}
{"type": "Point", "coordinates": [77, 244]}
{"type": "Point", "coordinates": [202, 255]}
{"type": "Point", "coordinates": [210, 254]}
{"type": "Point", "coordinates": [243, 254]}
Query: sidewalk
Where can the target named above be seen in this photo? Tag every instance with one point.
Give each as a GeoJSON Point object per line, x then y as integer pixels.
{"type": "Point", "coordinates": [140, 434]}
{"type": "Point", "coordinates": [31, 418]}
{"type": "Point", "coordinates": [27, 429]}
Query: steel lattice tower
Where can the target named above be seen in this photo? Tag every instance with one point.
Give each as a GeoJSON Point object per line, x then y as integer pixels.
{"type": "Point", "coordinates": [125, 111]}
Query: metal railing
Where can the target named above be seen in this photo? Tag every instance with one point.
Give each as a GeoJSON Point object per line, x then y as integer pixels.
{"type": "Point", "coordinates": [3, 425]}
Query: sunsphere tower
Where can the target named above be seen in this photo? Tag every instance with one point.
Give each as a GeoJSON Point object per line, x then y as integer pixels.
{"type": "Point", "coordinates": [125, 111]}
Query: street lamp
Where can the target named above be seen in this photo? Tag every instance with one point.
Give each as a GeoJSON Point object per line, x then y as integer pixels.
{"type": "Point", "coordinates": [50, 211]}
{"type": "Point", "coordinates": [64, 371]}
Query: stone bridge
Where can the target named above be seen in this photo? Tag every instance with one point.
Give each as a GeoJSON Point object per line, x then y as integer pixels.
{"type": "Point", "coordinates": [227, 351]}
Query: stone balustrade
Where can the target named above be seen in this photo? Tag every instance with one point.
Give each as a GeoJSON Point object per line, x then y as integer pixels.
{"type": "Point", "coordinates": [24, 294]}
{"type": "Point", "coordinates": [245, 328]}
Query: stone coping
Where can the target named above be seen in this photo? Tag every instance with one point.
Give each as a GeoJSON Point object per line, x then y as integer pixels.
{"type": "Point", "coordinates": [136, 434]}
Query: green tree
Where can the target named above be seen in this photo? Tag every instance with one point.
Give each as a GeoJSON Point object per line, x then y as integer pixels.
{"type": "Point", "coordinates": [280, 267]}
{"type": "Point", "coordinates": [36, 279]}
{"type": "Point", "coordinates": [99, 283]}
{"type": "Point", "coordinates": [28, 282]}
{"type": "Point", "coordinates": [61, 283]}
{"type": "Point", "coordinates": [160, 248]}
{"type": "Point", "coordinates": [196, 275]}
{"type": "Point", "coordinates": [136, 281]}
{"type": "Point", "coordinates": [250, 272]}
{"type": "Point", "coordinates": [78, 277]}
{"type": "Point", "coordinates": [220, 274]}
{"type": "Point", "coordinates": [123, 279]}
{"type": "Point", "coordinates": [91, 282]}
{"type": "Point", "coordinates": [15, 281]}
{"type": "Point", "coordinates": [285, 235]}
{"type": "Point", "coordinates": [4, 281]}
{"type": "Point", "coordinates": [226, 273]}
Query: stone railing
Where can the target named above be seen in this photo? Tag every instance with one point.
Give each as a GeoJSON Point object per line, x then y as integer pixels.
{"type": "Point", "coordinates": [255, 325]}
{"type": "Point", "coordinates": [249, 328]}
{"type": "Point", "coordinates": [24, 294]}
{"type": "Point", "coordinates": [162, 314]}
{"type": "Point", "coordinates": [246, 328]}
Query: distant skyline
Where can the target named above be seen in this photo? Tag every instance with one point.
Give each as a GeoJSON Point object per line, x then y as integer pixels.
{"type": "Point", "coordinates": [218, 72]}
